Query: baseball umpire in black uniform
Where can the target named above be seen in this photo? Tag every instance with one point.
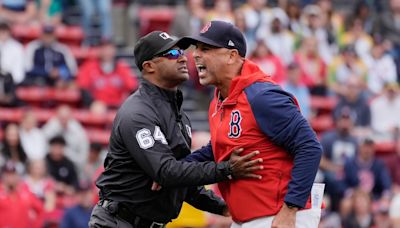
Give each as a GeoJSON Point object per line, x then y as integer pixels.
{"type": "Point", "coordinates": [150, 138]}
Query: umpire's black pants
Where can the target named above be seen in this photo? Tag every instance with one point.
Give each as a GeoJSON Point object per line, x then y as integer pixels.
{"type": "Point", "coordinates": [101, 218]}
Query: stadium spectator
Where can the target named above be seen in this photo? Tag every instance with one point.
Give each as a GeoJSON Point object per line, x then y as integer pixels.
{"type": "Point", "coordinates": [313, 25]}
{"type": "Point", "coordinates": [78, 215]}
{"type": "Point", "coordinates": [12, 148]}
{"type": "Point", "coordinates": [20, 12]}
{"type": "Point", "coordinates": [33, 140]}
{"type": "Point", "coordinates": [18, 206]}
{"type": "Point", "coordinates": [343, 66]}
{"type": "Point", "coordinates": [360, 215]}
{"type": "Point", "coordinates": [338, 146]}
{"type": "Point", "coordinates": [94, 162]}
{"type": "Point", "coordinates": [8, 97]}
{"type": "Point", "coordinates": [313, 68]}
{"type": "Point", "coordinates": [77, 142]}
{"type": "Point", "coordinates": [222, 11]}
{"type": "Point", "coordinates": [384, 123]}
{"type": "Point", "coordinates": [102, 9]}
{"type": "Point", "coordinates": [356, 36]}
{"type": "Point", "coordinates": [363, 12]}
{"type": "Point", "coordinates": [11, 54]}
{"type": "Point", "coordinates": [381, 67]}
{"type": "Point", "coordinates": [107, 79]}
{"type": "Point", "coordinates": [367, 172]}
{"type": "Point", "coordinates": [355, 99]}
{"type": "Point", "coordinates": [41, 184]}
{"type": "Point", "coordinates": [49, 62]}
{"type": "Point", "coordinates": [60, 168]}
{"type": "Point", "coordinates": [194, 13]}
{"type": "Point", "coordinates": [278, 38]}
{"type": "Point", "coordinates": [388, 25]}
{"type": "Point", "coordinates": [300, 91]}
{"type": "Point", "coordinates": [270, 63]}
{"type": "Point", "coordinates": [293, 11]}
{"type": "Point", "coordinates": [332, 19]}
{"type": "Point", "coordinates": [257, 19]}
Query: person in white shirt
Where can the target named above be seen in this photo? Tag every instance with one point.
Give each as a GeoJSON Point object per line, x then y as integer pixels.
{"type": "Point", "coordinates": [11, 54]}
{"type": "Point", "coordinates": [32, 138]}
{"type": "Point", "coordinates": [383, 121]}
{"type": "Point", "coordinates": [381, 68]}
{"type": "Point", "coordinates": [77, 142]}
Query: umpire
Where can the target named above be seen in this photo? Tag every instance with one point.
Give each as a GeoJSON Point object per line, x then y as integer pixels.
{"type": "Point", "coordinates": [150, 138]}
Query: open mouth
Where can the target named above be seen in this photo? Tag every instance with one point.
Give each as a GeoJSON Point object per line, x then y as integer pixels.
{"type": "Point", "coordinates": [201, 69]}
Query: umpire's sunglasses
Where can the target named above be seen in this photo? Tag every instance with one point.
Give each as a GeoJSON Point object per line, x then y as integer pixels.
{"type": "Point", "coordinates": [172, 54]}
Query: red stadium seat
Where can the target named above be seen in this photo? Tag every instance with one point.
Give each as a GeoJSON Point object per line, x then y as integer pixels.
{"type": "Point", "coordinates": [89, 119]}
{"type": "Point", "coordinates": [38, 96]}
{"type": "Point", "coordinates": [322, 123]}
{"type": "Point", "coordinates": [83, 53]}
{"type": "Point", "coordinates": [32, 95]}
{"type": "Point", "coordinates": [70, 35]}
{"type": "Point", "coordinates": [10, 115]}
{"type": "Point", "coordinates": [98, 136]}
{"type": "Point", "coordinates": [387, 147]}
{"type": "Point", "coordinates": [155, 19]}
{"type": "Point", "coordinates": [26, 33]}
{"type": "Point", "coordinates": [70, 96]}
{"type": "Point", "coordinates": [320, 103]}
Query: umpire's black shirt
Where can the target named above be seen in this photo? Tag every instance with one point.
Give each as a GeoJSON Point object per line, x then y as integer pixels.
{"type": "Point", "coordinates": [150, 135]}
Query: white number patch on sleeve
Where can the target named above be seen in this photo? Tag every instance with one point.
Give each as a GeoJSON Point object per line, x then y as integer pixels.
{"type": "Point", "coordinates": [158, 135]}
{"type": "Point", "coordinates": [146, 140]}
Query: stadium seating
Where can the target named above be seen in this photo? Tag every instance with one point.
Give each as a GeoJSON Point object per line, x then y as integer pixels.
{"type": "Point", "coordinates": [152, 18]}
{"type": "Point", "coordinates": [42, 96]}
{"type": "Point", "coordinates": [70, 35]}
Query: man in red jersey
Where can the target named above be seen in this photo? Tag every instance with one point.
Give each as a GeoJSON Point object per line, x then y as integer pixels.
{"type": "Point", "coordinates": [250, 111]}
{"type": "Point", "coordinates": [18, 206]}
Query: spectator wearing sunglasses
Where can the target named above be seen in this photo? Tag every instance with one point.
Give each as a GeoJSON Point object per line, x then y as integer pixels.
{"type": "Point", "coordinates": [150, 137]}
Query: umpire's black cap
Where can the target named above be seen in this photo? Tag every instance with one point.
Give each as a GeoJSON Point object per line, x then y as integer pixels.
{"type": "Point", "coordinates": [153, 44]}
{"type": "Point", "coordinates": [220, 34]}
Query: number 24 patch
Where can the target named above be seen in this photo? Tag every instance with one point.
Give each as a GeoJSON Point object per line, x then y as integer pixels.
{"type": "Point", "coordinates": [146, 140]}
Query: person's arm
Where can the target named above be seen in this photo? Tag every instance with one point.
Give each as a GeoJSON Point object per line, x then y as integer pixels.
{"type": "Point", "coordinates": [69, 59]}
{"type": "Point", "coordinates": [147, 144]}
{"type": "Point", "coordinates": [280, 119]}
{"type": "Point", "coordinates": [206, 200]}
{"type": "Point", "coordinates": [203, 154]}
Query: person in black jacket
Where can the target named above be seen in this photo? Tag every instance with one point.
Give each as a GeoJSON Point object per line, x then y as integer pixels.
{"type": "Point", "coordinates": [149, 141]}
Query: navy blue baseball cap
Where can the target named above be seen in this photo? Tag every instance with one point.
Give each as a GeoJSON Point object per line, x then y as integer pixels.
{"type": "Point", "coordinates": [220, 34]}
{"type": "Point", "coordinates": [154, 44]}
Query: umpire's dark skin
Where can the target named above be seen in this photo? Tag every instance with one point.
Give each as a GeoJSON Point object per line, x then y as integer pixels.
{"type": "Point", "coordinates": [130, 167]}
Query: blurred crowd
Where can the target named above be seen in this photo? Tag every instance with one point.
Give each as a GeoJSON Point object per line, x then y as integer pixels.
{"type": "Point", "coordinates": [344, 54]}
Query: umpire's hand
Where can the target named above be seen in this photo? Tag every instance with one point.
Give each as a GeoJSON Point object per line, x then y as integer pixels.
{"type": "Point", "coordinates": [244, 166]}
{"type": "Point", "coordinates": [241, 166]}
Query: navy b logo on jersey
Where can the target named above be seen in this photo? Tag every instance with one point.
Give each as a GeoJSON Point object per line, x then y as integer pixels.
{"type": "Point", "coordinates": [234, 125]}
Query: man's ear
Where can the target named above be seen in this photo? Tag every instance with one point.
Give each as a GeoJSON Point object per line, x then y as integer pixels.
{"type": "Point", "coordinates": [233, 56]}
{"type": "Point", "coordinates": [149, 66]}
